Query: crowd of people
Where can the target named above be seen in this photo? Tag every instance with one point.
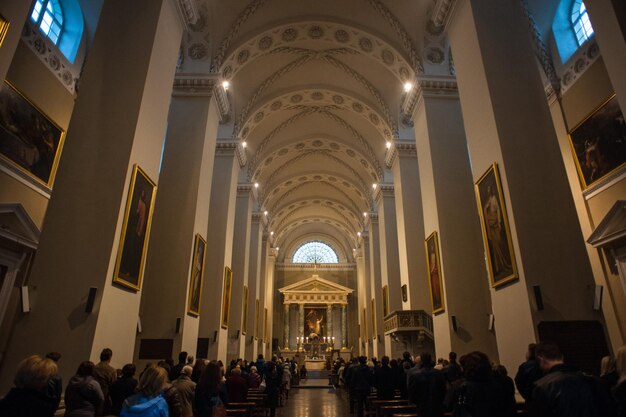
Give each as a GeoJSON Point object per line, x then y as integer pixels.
{"type": "Point", "coordinates": [473, 386]}
{"type": "Point", "coordinates": [199, 388]}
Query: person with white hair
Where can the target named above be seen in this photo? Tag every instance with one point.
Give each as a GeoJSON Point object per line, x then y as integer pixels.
{"type": "Point", "coordinates": [186, 390]}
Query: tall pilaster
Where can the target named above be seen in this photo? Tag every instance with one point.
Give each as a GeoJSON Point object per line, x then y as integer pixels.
{"type": "Point", "coordinates": [261, 293]}
{"type": "Point", "coordinates": [608, 18]}
{"type": "Point", "coordinates": [186, 173]}
{"type": "Point", "coordinates": [344, 326]}
{"type": "Point", "coordinates": [409, 214]}
{"type": "Point", "coordinates": [240, 265]}
{"type": "Point", "coordinates": [101, 149]}
{"type": "Point", "coordinates": [254, 276]}
{"type": "Point", "coordinates": [286, 327]}
{"type": "Point", "coordinates": [375, 312]}
{"type": "Point", "coordinates": [362, 257]}
{"type": "Point", "coordinates": [329, 318]}
{"type": "Point", "coordinates": [538, 201]}
{"type": "Point", "coordinates": [446, 185]}
{"type": "Point", "coordinates": [269, 298]}
{"type": "Point", "coordinates": [219, 256]}
{"type": "Point", "coordinates": [301, 320]}
{"type": "Point", "coordinates": [16, 13]}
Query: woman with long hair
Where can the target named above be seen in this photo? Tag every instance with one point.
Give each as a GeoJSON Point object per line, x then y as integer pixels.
{"type": "Point", "coordinates": [83, 394]}
{"type": "Point", "coordinates": [619, 391]}
{"type": "Point", "coordinates": [149, 400]}
{"type": "Point", "coordinates": [211, 392]}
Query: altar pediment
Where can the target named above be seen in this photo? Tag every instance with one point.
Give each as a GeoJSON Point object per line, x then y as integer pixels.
{"type": "Point", "coordinates": [316, 290]}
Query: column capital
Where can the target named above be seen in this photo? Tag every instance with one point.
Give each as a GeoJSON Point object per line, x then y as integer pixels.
{"type": "Point", "coordinates": [257, 217]}
{"type": "Point", "coordinates": [243, 189]}
{"type": "Point", "coordinates": [442, 12]}
{"type": "Point", "coordinates": [440, 86]}
{"type": "Point", "coordinates": [188, 12]}
{"type": "Point", "coordinates": [230, 147]}
{"type": "Point", "coordinates": [400, 149]}
{"type": "Point", "coordinates": [382, 191]}
{"type": "Point", "coordinates": [203, 85]}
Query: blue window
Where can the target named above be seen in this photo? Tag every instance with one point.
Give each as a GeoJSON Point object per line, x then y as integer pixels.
{"type": "Point", "coordinates": [315, 252]}
{"type": "Point", "coordinates": [581, 23]}
{"type": "Point", "coordinates": [61, 21]}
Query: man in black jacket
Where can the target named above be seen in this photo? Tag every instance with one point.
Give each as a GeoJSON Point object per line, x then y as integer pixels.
{"type": "Point", "coordinates": [427, 388]}
{"type": "Point", "coordinates": [359, 379]}
{"type": "Point", "coordinates": [565, 391]}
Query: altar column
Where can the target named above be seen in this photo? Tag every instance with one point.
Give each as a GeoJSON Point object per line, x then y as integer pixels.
{"type": "Point", "coordinates": [301, 320]}
{"type": "Point", "coordinates": [344, 326]}
{"type": "Point", "coordinates": [286, 328]}
{"type": "Point", "coordinates": [329, 320]}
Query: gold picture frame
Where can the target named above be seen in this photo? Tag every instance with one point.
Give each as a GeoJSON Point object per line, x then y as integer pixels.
{"type": "Point", "coordinates": [435, 281]}
{"type": "Point", "coordinates": [30, 142]}
{"type": "Point", "coordinates": [598, 143]}
{"type": "Point", "coordinates": [244, 322]}
{"type": "Point", "coordinates": [257, 322]}
{"type": "Point", "coordinates": [133, 246]}
{"type": "Point", "coordinates": [365, 326]}
{"type": "Point", "coordinates": [4, 28]}
{"type": "Point", "coordinates": [196, 278]}
{"type": "Point", "coordinates": [385, 300]}
{"type": "Point", "coordinates": [228, 284]}
{"type": "Point", "coordinates": [374, 332]}
{"type": "Point", "coordinates": [494, 223]}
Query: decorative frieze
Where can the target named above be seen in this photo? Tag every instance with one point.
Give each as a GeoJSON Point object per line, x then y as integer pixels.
{"type": "Point", "coordinates": [429, 86]}
{"type": "Point", "coordinates": [442, 12]}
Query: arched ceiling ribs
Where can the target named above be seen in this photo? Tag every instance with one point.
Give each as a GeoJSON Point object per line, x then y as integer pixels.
{"type": "Point", "coordinates": [299, 145]}
{"type": "Point", "coordinates": [324, 98]}
{"type": "Point", "coordinates": [306, 111]}
{"type": "Point", "coordinates": [331, 184]}
{"type": "Point", "coordinates": [343, 229]}
{"type": "Point", "coordinates": [327, 57]}
{"type": "Point", "coordinates": [343, 35]}
{"type": "Point", "coordinates": [324, 201]}
{"type": "Point", "coordinates": [293, 212]}
{"type": "Point", "coordinates": [315, 152]}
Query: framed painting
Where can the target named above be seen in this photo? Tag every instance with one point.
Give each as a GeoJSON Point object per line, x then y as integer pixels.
{"type": "Point", "coordinates": [385, 300]}
{"type": "Point", "coordinates": [197, 276]}
{"type": "Point", "coordinates": [314, 322]}
{"type": "Point", "coordinates": [131, 254]}
{"type": "Point", "coordinates": [599, 143]}
{"type": "Point", "coordinates": [435, 282]}
{"type": "Point", "coordinates": [4, 28]}
{"type": "Point", "coordinates": [495, 227]}
{"type": "Point", "coordinates": [244, 322]}
{"type": "Point", "coordinates": [30, 142]}
{"type": "Point", "coordinates": [374, 333]}
{"type": "Point", "coordinates": [257, 316]}
{"type": "Point", "coordinates": [228, 284]}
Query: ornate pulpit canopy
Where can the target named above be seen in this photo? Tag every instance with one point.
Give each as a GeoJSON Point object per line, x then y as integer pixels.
{"type": "Point", "coordinates": [315, 290]}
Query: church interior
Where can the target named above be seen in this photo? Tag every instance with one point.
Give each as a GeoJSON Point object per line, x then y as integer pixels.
{"type": "Point", "coordinates": [311, 179]}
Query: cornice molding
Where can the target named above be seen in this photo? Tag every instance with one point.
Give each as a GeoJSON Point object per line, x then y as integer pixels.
{"type": "Point", "coordinates": [194, 85]}
{"type": "Point", "coordinates": [429, 86]}
{"type": "Point", "coordinates": [244, 188]}
{"type": "Point", "coordinates": [232, 148]}
{"type": "Point", "coordinates": [400, 149]}
{"type": "Point", "coordinates": [383, 190]}
{"type": "Point", "coordinates": [188, 12]}
{"type": "Point", "coordinates": [257, 216]}
{"type": "Point", "coordinates": [442, 12]}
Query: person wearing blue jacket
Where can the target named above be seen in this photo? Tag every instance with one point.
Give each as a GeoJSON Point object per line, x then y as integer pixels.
{"type": "Point", "coordinates": [149, 400]}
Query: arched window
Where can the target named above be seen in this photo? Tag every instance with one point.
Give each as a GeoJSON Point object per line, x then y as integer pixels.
{"type": "Point", "coordinates": [61, 21]}
{"type": "Point", "coordinates": [315, 252]}
{"type": "Point", "coordinates": [581, 23]}
{"type": "Point", "coordinates": [48, 15]}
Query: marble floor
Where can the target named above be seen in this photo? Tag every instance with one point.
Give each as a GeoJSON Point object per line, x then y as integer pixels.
{"type": "Point", "coordinates": [315, 402]}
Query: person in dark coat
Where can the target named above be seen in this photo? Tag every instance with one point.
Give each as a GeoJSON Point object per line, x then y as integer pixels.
{"type": "Point", "coordinates": [29, 397]}
{"type": "Point", "coordinates": [236, 386]}
{"type": "Point", "coordinates": [383, 380]}
{"type": "Point", "coordinates": [565, 391]}
{"type": "Point", "coordinates": [123, 388]}
{"type": "Point", "coordinates": [210, 391]}
{"type": "Point", "coordinates": [527, 373]}
{"type": "Point", "coordinates": [427, 388]}
{"type": "Point", "coordinates": [452, 371]}
{"type": "Point", "coordinates": [176, 369]}
{"type": "Point", "coordinates": [273, 380]}
{"type": "Point", "coordinates": [619, 390]}
{"type": "Point", "coordinates": [359, 380]}
{"type": "Point", "coordinates": [83, 394]}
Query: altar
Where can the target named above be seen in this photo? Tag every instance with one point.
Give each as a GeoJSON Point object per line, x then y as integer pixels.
{"type": "Point", "coordinates": [315, 364]}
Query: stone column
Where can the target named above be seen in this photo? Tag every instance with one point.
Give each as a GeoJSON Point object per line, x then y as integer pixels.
{"type": "Point", "coordinates": [402, 157]}
{"type": "Point", "coordinates": [16, 12]}
{"type": "Point", "coordinates": [100, 151]}
{"type": "Point", "coordinates": [446, 184]}
{"type": "Point", "coordinates": [269, 298]}
{"type": "Point", "coordinates": [344, 326]}
{"type": "Point", "coordinates": [362, 268]}
{"type": "Point", "coordinates": [286, 327]}
{"type": "Point", "coordinates": [375, 285]}
{"type": "Point", "coordinates": [301, 320]}
{"type": "Point", "coordinates": [329, 319]}
{"type": "Point", "coordinates": [186, 169]}
{"type": "Point", "coordinates": [240, 264]}
{"type": "Point", "coordinates": [538, 201]}
{"type": "Point", "coordinates": [608, 18]}
{"type": "Point", "coordinates": [219, 256]}
{"type": "Point", "coordinates": [254, 276]}
{"type": "Point", "coordinates": [262, 292]}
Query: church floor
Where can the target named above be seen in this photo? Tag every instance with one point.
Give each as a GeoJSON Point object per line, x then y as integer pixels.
{"type": "Point", "coordinates": [317, 402]}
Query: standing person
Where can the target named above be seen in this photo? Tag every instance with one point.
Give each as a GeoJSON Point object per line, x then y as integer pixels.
{"type": "Point", "coordinates": [83, 395]}
{"type": "Point", "coordinates": [527, 373]}
{"type": "Point", "coordinates": [176, 369]}
{"type": "Point", "coordinates": [360, 383]}
{"type": "Point", "coordinates": [210, 391]}
{"type": "Point", "coordinates": [123, 388]}
{"type": "Point", "coordinates": [565, 391]}
{"type": "Point", "coordinates": [383, 380]}
{"type": "Point", "coordinates": [106, 375]}
{"type": "Point", "coordinates": [236, 386]}
{"type": "Point", "coordinates": [149, 400]}
{"type": "Point", "coordinates": [619, 391]}
{"type": "Point", "coordinates": [286, 380]}
{"type": "Point", "coordinates": [55, 386]}
{"type": "Point", "coordinates": [273, 380]}
{"type": "Point", "coordinates": [29, 397]}
{"type": "Point", "coordinates": [453, 370]}
{"type": "Point", "coordinates": [427, 388]}
{"type": "Point", "coordinates": [186, 390]}
{"type": "Point", "coordinates": [254, 379]}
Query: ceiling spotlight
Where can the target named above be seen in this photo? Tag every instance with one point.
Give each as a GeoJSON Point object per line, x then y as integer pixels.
{"type": "Point", "coordinates": [225, 84]}
{"type": "Point", "coordinates": [388, 145]}
{"type": "Point", "coordinates": [408, 87]}
{"type": "Point", "coordinates": [265, 212]}
{"type": "Point", "coordinates": [365, 214]}
{"type": "Point", "coordinates": [256, 185]}
{"type": "Point", "coordinates": [358, 234]}
{"type": "Point", "coordinates": [244, 144]}
{"type": "Point", "coordinates": [277, 248]}
{"type": "Point", "coordinates": [271, 233]}
{"type": "Point", "coordinates": [374, 185]}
